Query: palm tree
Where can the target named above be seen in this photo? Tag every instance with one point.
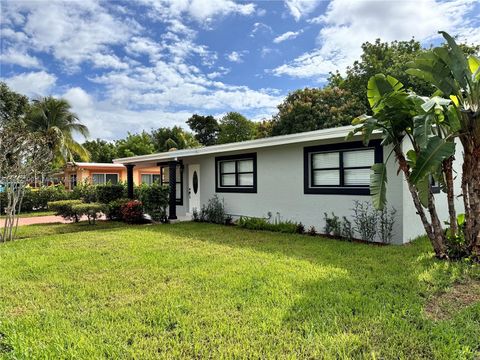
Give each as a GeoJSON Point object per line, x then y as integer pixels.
{"type": "Point", "coordinates": [52, 119]}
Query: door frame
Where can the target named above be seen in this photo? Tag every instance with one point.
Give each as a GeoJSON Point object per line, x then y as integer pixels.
{"type": "Point", "coordinates": [192, 168]}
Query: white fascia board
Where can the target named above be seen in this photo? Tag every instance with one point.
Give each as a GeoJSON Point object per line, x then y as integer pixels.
{"type": "Point", "coordinates": [325, 134]}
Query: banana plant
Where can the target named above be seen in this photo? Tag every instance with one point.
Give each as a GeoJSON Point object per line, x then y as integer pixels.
{"type": "Point", "coordinates": [404, 116]}
{"type": "Point", "coordinates": [457, 78]}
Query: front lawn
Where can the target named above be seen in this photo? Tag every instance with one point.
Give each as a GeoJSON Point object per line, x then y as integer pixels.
{"type": "Point", "coordinates": [194, 290]}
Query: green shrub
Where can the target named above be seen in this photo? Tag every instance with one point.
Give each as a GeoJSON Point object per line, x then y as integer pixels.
{"type": "Point", "coordinates": [46, 194]}
{"type": "Point", "coordinates": [333, 225]}
{"type": "Point", "coordinates": [64, 208]}
{"type": "Point", "coordinates": [155, 201]}
{"type": "Point", "coordinates": [84, 191]}
{"type": "Point", "coordinates": [106, 193]}
{"type": "Point", "coordinates": [214, 211]}
{"type": "Point", "coordinates": [347, 229]}
{"type": "Point", "coordinates": [113, 210]}
{"type": "Point", "coordinates": [91, 210]}
{"type": "Point", "coordinates": [312, 231]}
{"type": "Point", "coordinates": [254, 223]}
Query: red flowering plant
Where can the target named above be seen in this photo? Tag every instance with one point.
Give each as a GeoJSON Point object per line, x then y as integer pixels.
{"type": "Point", "coordinates": [132, 212]}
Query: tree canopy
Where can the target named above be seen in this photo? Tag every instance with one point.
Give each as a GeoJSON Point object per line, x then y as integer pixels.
{"type": "Point", "coordinates": [206, 128]}
{"type": "Point", "coordinates": [165, 138]}
{"type": "Point", "coordinates": [235, 127]}
{"type": "Point", "coordinates": [313, 109]}
{"type": "Point", "coordinates": [13, 106]}
{"type": "Point", "coordinates": [100, 150]}
{"type": "Point", "coordinates": [54, 120]}
{"type": "Point", "coordinates": [135, 144]}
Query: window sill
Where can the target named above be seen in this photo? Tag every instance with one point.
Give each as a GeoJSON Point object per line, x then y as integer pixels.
{"type": "Point", "coordinates": [338, 191]}
{"type": "Point", "coordinates": [236, 190]}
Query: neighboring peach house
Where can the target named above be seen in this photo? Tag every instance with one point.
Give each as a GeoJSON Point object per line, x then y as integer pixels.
{"type": "Point", "coordinates": [101, 173]}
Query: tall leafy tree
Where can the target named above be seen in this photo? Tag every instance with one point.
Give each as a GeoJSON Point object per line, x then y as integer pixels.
{"type": "Point", "coordinates": [100, 150]}
{"type": "Point", "coordinates": [53, 120]}
{"type": "Point", "coordinates": [235, 127]}
{"type": "Point", "coordinates": [13, 106]}
{"type": "Point", "coordinates": [166, 138]}
{"type": "Point", "coordinates": [313, 109]}
{"type": "Point", "coordinates": [206, 128]}
{"type": "Point", "coordinates": [263, 128]}
{"type": "Point", "coordinates": [135, 144]}
{"type": "Point", "coordinates": [385, 58]}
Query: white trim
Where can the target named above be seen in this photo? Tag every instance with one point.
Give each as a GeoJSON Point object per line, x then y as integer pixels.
{"type": "Point", "coordinates": [97, 165]}
{"type": "Point", "coordinates": [333, 133]}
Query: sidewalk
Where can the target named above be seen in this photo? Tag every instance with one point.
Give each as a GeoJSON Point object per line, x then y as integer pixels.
{"type": "Point", "coordinates": [49, 219]}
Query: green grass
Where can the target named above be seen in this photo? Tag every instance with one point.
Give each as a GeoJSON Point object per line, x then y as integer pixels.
{"type": "Point", "coordinates": [193, 290]}
{"type": "Point", "coordinates": [32, 214]}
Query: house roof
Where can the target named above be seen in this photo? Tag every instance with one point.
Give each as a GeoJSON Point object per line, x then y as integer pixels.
{"type": "Point", "coordinates": [333, 133]}
{"type": "Point", "coordinates": [89, 165]}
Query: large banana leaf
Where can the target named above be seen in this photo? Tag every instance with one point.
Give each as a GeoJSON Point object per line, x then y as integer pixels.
{"type": "Point", "coordinates": [430, 157]}
{"type": "Point", "coordinates": [458, 63]}
{"type": "Point", "coordinates": [423, 188]}
{"type": "Point", "coordinates": [380, 85]}
{"type": "Point", "coordinates": [422, 129]}
{"type": "Point", "coordinates": [474, 64]}
{"type": "Point", "coordinates": [378, 185]}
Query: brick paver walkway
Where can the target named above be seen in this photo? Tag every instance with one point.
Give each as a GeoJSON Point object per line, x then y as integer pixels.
{"type": "Point", "coordinates": [49, 219]}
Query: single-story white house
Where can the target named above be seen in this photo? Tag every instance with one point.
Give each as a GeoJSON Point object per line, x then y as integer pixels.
{"type": "Point", "coordinates": [299, 176]}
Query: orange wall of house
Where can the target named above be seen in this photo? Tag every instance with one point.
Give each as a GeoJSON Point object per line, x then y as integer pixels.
{"type": "Point", "coordinates": [86, 174]}
{"type": "Point", "coordinates": [137, 173]}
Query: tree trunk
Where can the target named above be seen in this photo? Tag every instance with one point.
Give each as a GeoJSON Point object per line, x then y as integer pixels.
{"type": "Point", "coordinates": [448, 170]}
{"type": "Point", "coordinates": [434, 230]}
{"type": "Point", "coordinates": [471, 195]}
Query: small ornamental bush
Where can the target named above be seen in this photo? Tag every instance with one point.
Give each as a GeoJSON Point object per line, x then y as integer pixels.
{"type": "Point", "coordinates": [213, 212]}
{"type": "Point", "coordinates": [113, 210]}
{"type": "Point", "coordinates": [312, 231]}
{"type": "Point", "coordinates": [106, 193]}
{"type": "Point", "coordinates": [91, 210]}
{"type": "Point", "coordinates": [365, 219]}
{"type": "Point", "coordinates": [42, 196]}
{"type": "Point", "coordinates": [155, 201]}
{"type": "Point", "coordinates": [84, 191]}
{"type": "Point", "coordinates": [300, 228]}
{"type": "Point", "coordinates": [64, 208]}
{"type": "Point", "coordinates": [254, 223]}
{"type": "Point", "coordinates": [132, 212]}
{"type": "Point", "coordinates": [333, 225]}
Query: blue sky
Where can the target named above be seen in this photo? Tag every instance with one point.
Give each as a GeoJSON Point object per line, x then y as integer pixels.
{"type": "Point", "coordinates": [133, 65]}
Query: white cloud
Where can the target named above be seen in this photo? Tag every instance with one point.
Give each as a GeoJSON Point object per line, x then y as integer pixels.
{"type": "Point", "coordinates": [130, 94]}
{"type": "Point", "coordinates": [236, 56]}
{"type": "Point", "coordinates": [301, 8]}
{"type": "Point", "coordinates": [347, 24]}
{"type": "Point", "coordinates": [203, 11]}
{"type": "Point", "coordinates": [12, 56]}
{"type": "Point", "coordinates": [260, 28]}
{"type": "Point", "coordinates": [108, 61]}
{"type": "Point", "coordinates": [33, 84]}
{"type": "Point", "coordinates": [287, 36]}
{"type": "Point", "coordinates": [73, 32]}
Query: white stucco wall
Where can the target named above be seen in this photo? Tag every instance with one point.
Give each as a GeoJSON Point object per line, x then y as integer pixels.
{"type": "Point", "coordinates": [280, 189]}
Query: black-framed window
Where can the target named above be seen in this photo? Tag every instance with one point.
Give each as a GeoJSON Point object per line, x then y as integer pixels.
{"type": "Point", "coordinates": [340, 168]}
{"type": "Point", "coordinates": [165, 177]}
{"type": "Point", "coordinates": [434, 185]}
{"type": "Point", "coordinates": [236, 173]}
